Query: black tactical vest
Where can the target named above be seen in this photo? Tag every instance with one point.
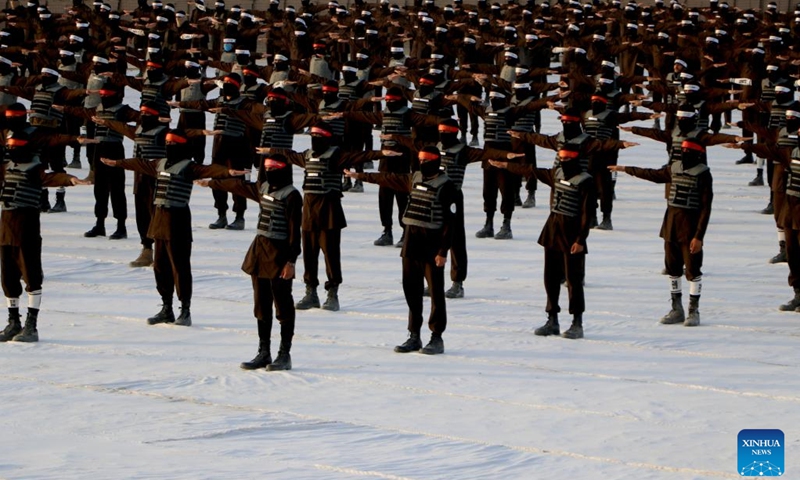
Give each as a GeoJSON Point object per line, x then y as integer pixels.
{"type": "Point", "coordinates": [566, 198]}
{"type": "Point", "coordinates": [337, 124]}
{"type": "Point", "coordinates": [22, 186]}
{"type": "Point", "coordinates": [95, 82]}
{"type": "Point", "coordinates": [151, 92]}
{"type": "Point", "coordinates": [453, 164]}
{"type": "Point", "coordinates": [496, 126]}
{"type": "Point", "coordinates": [684, 191]}
{"type": "Point", "coordinates": [273, 221]}
{"type": "Point", "coordinates": [44, 115]}
{"type": "Point", "coordinates": [104, 133]}
{"type": "Point", "coordinates": [230, 125]}
{"type": "Point", "coordinates": [395, 123]}
{"type": "Point", "coordinates": [424, 207]}
{"type": "Point", "coordinates": [151, 145]}
{"type": "Point", "coordinates": [528, 121]}
{"type": "Point", "coordinates": [426, 105]}
{"type": "Point", "coordinates": [192, 93]}
{"type": "Point", "coordinates": [321, 175]}
{"type": "Point", "coordinates": [274, 134]}
{"type": "Point", "coordinates": [600, 126]}
{"type": "Point", "coordinates": [793, 179]}
{"type": "Point", "coordinates": [173, 187]}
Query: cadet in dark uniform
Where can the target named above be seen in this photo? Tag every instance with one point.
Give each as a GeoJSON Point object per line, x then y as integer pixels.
{"type": "Point", "coordinates": [23, 177]}
{"type": "Point", "coordinates": [171, 226]}
{"type": "Point", "coordinates": [685, 222]}
{"type": "Point", "coordinates": [428, 219]}
{"type": "Point", "coordinates": [572, 209]}
{"type": "Point", "coordinates": [323, 216]}
{"type": "Point", "coordinates": [272, 255]}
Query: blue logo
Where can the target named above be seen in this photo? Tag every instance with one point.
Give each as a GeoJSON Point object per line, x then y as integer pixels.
{"type": "Point", "coordinates": [761, 453]}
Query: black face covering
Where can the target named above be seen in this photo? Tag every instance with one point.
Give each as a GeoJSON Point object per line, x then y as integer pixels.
{"type": "Point", "coordinates": [498, 103]}
{"type": "Point", "coordinates": [149, 122]}
{"type": "Point", "coordinates": [792, 125]}
{"type": "Point", "coordinates": [278, 178]}
{"type": "Point", "coordinates": [425, 90]}
{"type": "Point", "coordinates": [773, 76]}
{"type": "Point", "coordinates": [572, 129]}
{"type": "Point", "coordinates": [242, 59]}
{"type": "Point", "coordinates": [598, 107]}
{"type": "Point", "coordinates": [320, 144]}
{"type": "Point", "coordinates": [395, 106]}
{"type": "Point", "coordinates": [570, 167]}
{"type": "Point", "coordinates": [511, 61]}
{"type": "Point", "coordinates": [430, 168]}
{"type": "Point", "coordinates": [229, 90]}
{"type": "Point", "coordinates": [330, 98]}
{"type": "Point", "coordinates": [362, 64]}
{"type": "Point", "coordinates": [175, 154]}
{"type": "Point", "coordinates": [109, 102]}
{"type": "Point", "coordinates": [67, 60]}
{"type": "Point", "coordinates": [448, 139]}
{"type": "Point", "coordinates": [16, 123]}
{"type": "Point", "coordinates": [155, 74]}
{"type": "Point", "coordinates": [686, 125]}
{"type": "Point", "coordinates": [693, 97]}
{"type": "Point", "coordinates": [398, 55]}
{"type": "Point", "coordinates": [522, 93]}
{"type": "Point", "coordinates": [193, 73]}
{"type": "Point", "coordinates": [48, 80]}
{"type": "Point", "coordinates": [690, 158]}
{"type": "Point", "coordinates": [281, 66]}
{"type": "Point", "coordinates": [19, 154]}
{"type": "Point", "coordinates": [349, 77]}
{"type": "Point", "coordinates": [250, 80]}
{"type": "Point", "coordinates": [783, 98]}
{"type": "Point", "coordinates": [277, 107]}
{"type": "Point", "coordinates": [5, 69]}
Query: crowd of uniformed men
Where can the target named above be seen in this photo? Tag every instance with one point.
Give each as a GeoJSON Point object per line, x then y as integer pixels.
{"type": "Point", "coordinates": [426, 76]}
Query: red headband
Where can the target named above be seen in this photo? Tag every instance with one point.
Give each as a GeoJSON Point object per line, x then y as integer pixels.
{"type": "Point", "coordinates": [232, 81]}
{"type": "Point", "coordinates": [392, 98]}
{"type": "Point", "coordinates": [16, 142]}
{"type": "Point", "coordinates": [321, 131]}
{"type": "Point", "coordinates": [148, 110]}
{"type": "Point", "coordinates": [598, 98]}
{"type": "Point", "coordinates": [318, 45]}
{"type": "Point", "coordinates": [107, 93]}
{"type": "Point", "coordinates": [174, 137]}
{"type": "Point", "coordinates": [16, 113]}
{"type": "Point", "coordinates": [569, 118]}
{"type": "Point", "coordinates": [277, 95]}
{"type": "Point", "coordinates": [427, 156]}
{"type": "Point", "coordinates": [247, 71]}
{"type": "Point", "coordinates": [426, 81]}
{"type": "Point", "coordinates": [270, 163]}
{"type": "Point", "coordinates": [567, 154]}
{"type": "Point", "coordinates": [154, 65]}
{"type": "Point", "coordinates": [448, 128]}
{"type": "Point", "coordinates": [693, 146]}
{"type": "Point", "coordinates": [330, 88]}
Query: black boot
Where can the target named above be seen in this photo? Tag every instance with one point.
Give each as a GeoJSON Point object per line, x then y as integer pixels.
{"type": "Point", "coordinates": [385, 240]}
{"type": "Point", "coordinates": [60, 206]}
{"type": "Point", "coordinates": [347, 185]}
{"type": "Point", "coordinates": [121, 232]}
{"type": "Point", "coordinates": [676, 314]}
{"type": "Point", "coordinates": [768, 210]}
{"type": "Point", "coordinates": [358, 186]}
{"type": "Point", "coordinates": [488, 228]}
{"type": "Point", "coordinates": [759, 180]}
{"type": "Point", "coordinates": [530, 200]}
{"type": "Point", "coordinates": [221, 222]}
{"type": "Point", "coordinates": [435, 346]}
{"type": "Point", "coordinates": [606, 223]}
{"type": "Point", "coordinates": [99, 229]}
{"type": "Point", "coordinates": [693, 319]}
{"type": "Point", "coordinates": [261, 360]}
{"type": "Point", "coordinates": [781, 256]}
{"type": "Point", "coordinates": [549, 328]}
{"type": "Point", "coordinates": [505, 231]}
{"type": "Point", "coordinates": [748, 158]}
{"type": "Point", "coordinates": [29, 333]}
{"type": "Point", "coordinates": [790, 306]}
{"type": "Point", "coordinates": [575, 330]}
{"type": "Point", "coordinates": [165, 315]}
{"type": "Point", "coordinates": [76, 158]}
{"type": "Point", "coordinates": [283, 361]}
{"type": "Point", "coordinates": [517, 199]}
{"type": "Point", "coordinates": [310, 300]}
{"type": "Point", "coordinates": [185, 318]}
{"type": "Point", "coordinates": [44, 201]}
{"type": "Point", "coordinates": [399, 243]}
{"type": "Point", "coordinates": [474, 142]}
{"type": "Point", "coordinates": [413, 344]}
{"type": "Point", "coordinates": [14, 325]}
{"type": "Point", "coordinates": [237, 224]}
{"type": "Point", "coordinates": [332, 302]}
{"type": "Point", "coordinates": [455, 291]}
